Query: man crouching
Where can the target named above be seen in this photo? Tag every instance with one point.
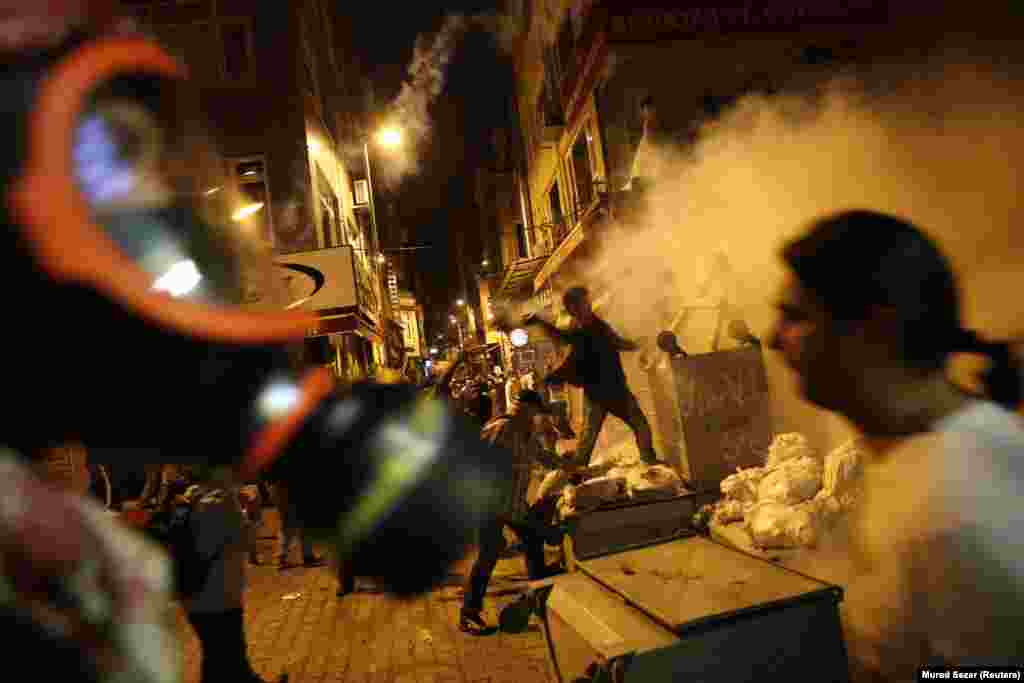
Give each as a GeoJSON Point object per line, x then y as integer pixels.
{"type": "Point", "coordinates": [516, 433]}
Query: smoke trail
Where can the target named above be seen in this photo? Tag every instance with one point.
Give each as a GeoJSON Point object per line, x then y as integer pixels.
{"type": "Point", "coordinates": [425, 79]}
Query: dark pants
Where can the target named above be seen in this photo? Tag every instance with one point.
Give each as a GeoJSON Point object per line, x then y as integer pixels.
{"type": "Point", "coordinates": [625, 407]}
{"type": "Point", "coordinates": [222, 636]}
{"type": "Point", "coordinates": [492, 543]}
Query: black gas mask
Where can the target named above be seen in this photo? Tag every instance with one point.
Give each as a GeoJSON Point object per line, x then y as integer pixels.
{"type": "Point", "coordinates": [126, 329]}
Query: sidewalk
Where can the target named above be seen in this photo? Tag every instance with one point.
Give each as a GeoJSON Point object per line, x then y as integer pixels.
{"type": "Point", "coordinates": [296, 624]}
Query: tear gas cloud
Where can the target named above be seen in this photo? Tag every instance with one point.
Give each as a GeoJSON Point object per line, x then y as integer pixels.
{"type": "Point", "coordinates": [940, 145]}
{"type": "Point", "coordinates": [941, 148]}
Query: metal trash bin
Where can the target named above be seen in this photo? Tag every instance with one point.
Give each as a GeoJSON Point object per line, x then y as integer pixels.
{"type": "Point", "coordinates": [692, 610]}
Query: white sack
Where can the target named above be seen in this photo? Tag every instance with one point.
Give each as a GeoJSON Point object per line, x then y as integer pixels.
{"type": "Point", "coordinates": [655, 481]}
{"type": "Point", "coordinates": [843, 468]}
{"type": "Point", "coordinates": [775, 525]}
{"type": "Point", "coordinates": [729, 511]}
{"type": "Point", "coordinates": [789, 447]}
{"type": "Point", "coordinates": [742, 486]}
{"type": "Point", "coordinates": [797, 480]}
{"type": "Point", "coordinates": [623, 458]}
{"type": "Point", "coordinates": [766, 523]}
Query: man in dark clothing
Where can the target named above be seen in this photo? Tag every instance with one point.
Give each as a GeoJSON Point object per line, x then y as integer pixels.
{"type": "Point", "coordinates": [517, 433]}
{"type": "Point", "coordinates": [594, 364]}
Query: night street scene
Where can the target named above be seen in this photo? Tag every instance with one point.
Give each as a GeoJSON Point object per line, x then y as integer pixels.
{"type": "Point", "coordinates": [538, 341]}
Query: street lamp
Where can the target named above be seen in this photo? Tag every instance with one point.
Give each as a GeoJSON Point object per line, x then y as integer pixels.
{"type": "Point", "coordinates": [458, 326]}
{"type": "Point", "coordinates": [388, 137]}
{"type": "Point", "coordinates": [460, 302]}
{"type": "Point", "coordinates": [247, 211]}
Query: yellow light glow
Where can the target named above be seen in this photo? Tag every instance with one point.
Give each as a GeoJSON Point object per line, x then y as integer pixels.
{"type": "Point", "coordinates": [390, 137]}
{"type": "Point", "coordinates": [212, 191]}
{"type": "Point", "coordinates": [380, 258]}
{"type": "Point", "coordinates": [247, 211]}
{"type": "Point", "coordinates": [461, 302]}
{"type": "Point", "coordinates": [314, 145]}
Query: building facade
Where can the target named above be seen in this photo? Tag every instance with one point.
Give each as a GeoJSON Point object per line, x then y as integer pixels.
{"type": "Point", "coordinates": [280, 148]}
{"type": "Point", "coordinates": [602, 83]}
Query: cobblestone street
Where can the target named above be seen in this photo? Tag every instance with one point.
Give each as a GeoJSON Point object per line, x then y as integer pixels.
{"type": "Point", "coordinates": [296, 624]}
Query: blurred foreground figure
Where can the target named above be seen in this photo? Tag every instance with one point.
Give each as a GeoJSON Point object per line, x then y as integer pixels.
{"type": "Point", "coordinates": [868, 320]}
{"type": "Point", "coordinates": [109, 218]}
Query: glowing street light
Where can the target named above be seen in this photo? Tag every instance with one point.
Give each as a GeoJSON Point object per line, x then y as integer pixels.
{"type": "Point", "coordinates": [452, 318]}
{"type": "Point", "coordinates": [390, 137]}
{"type": "Point", "coordinates": [460, 302]}
{"type": "Point", "coordinates": [247, 211]}
{"type": "Point", "coordinates": [433, 350]}
{"type": "Point", "coordinates": [380, 258]}
{"type": "Point", "coordinates": [180, 279]}
{"type": "Point", "coordinates": [485, 263]}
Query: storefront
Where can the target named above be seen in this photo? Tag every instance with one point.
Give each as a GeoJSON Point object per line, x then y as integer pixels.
{"type": "Point", "coordinates": [347, 329]}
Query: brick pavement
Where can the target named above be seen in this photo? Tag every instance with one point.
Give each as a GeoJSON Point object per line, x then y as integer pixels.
{"type": "Point", "coordinates": [371, 637]}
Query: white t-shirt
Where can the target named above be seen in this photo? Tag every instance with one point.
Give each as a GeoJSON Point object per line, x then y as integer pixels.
{"type": "Point", "coordinates": [940, 542]}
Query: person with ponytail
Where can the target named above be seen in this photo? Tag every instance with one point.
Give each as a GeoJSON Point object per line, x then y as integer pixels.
{"type": "Point", "coordinates": [869, 319]}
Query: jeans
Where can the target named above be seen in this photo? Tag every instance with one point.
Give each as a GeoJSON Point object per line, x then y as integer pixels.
{"type": "Point", "coordinates": [291, 531]}
{"type": "Point", "coordinates": [492, 543]}
{"type": "Point", "coordinates": [624, 407]}
{"type": "Point", "coordinates": [222, 636]}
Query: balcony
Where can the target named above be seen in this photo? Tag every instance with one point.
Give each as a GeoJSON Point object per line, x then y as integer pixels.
{"type": "Point", "coordinates": [519, 276]}
{"type": "Point", "coordinates": [584, 219]}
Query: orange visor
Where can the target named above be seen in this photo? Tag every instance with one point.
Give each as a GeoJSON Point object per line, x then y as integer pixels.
{"type": "Point", "coordinates": [60, 222]}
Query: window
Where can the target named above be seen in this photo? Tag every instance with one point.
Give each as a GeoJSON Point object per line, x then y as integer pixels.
{"type": "Point", "coordinates": [249, 176]}
{"type": "Point", "coordinates": [522, 242]}
{"type": "Point", "coordinates": [555, 208]}
{"type": "Point", "coordinates": [211, 51]}
{"type": "Point", "coordinates": [235, 37]}
{"type": "Point", "coordinates": [582, 172]}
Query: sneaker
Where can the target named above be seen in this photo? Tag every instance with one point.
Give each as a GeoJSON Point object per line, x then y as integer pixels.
{"type": "Point", "coordinates": [472, 621]}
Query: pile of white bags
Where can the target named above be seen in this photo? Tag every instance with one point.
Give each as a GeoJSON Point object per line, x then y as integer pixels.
{"type": "Point", "coordinates": [795, 497]}
{"type": "Point", "coordinates": [654, 482]}
{"type": "Point", "coordinates": [609, 483]}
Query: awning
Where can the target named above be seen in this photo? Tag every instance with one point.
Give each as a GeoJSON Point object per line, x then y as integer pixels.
{"type": "Point", "coordinates": [518, 277]}
{"type": "Point", "coordinates": [342, 323]}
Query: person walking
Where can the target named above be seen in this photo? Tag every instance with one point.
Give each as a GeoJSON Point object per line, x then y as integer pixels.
{"type": "Point", "coordinates": [516, 433]}
{"type": "Point", "coordinates": [595, 365]}
{"type": "Point", "coordinates": [291, 531]}
{"type": "Point", "coordinates": [215, 609]}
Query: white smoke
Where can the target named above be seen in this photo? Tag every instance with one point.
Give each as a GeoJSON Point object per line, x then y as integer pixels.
{"type": "Point", "coordinates": [939, 147]}
{"type": "Point", "coordinates": [425, 80]}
